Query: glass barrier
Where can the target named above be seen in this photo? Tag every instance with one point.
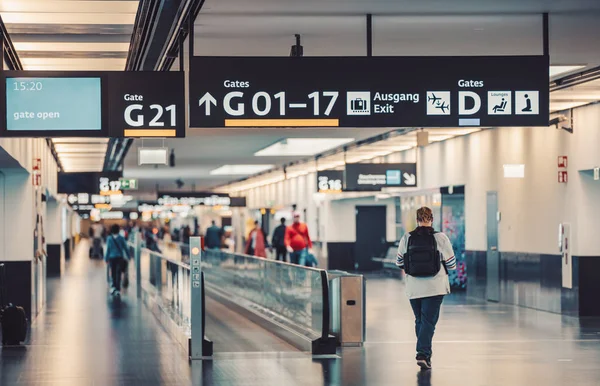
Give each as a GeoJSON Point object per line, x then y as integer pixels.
{"type": "Point", "coordinates": [175, 250]}
{"type": "Point", "coordinates": [293, 294]}
{"type": "Point", "coordinates": [167, 282]}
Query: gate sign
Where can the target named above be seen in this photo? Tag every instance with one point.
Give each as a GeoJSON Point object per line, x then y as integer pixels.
{"type": "Point", "coordinates": [92, 104]}
{"type": "Point", "coordinates": [147, 104]}
{"type": "Point", "coordinates": [374, 177]}
{"type": "Point", "coordinates": [330, 181]}
{"type": "Point", "coordinates": [369, 91]}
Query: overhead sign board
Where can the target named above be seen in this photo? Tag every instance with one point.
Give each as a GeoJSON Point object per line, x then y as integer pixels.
{"type": "Point", "coordinates": [89, 182]}
{"type": "Point", "coordinates": [39, 103]}
{"type": "Point", "coordinates": [147, 104]}
{"type": "Point", "coordinates": [199, 198]}
{"type": "Point", "coordinates": [369, 91]}
{"type": "Point", "coordinates": [92, 104]}
{"type": "Point", "coordinates": [330, 181]}
{"type": "Point", "coordinates": [374, 177]}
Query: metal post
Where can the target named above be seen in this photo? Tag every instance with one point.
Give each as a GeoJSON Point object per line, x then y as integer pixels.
{"type": "Point", "coordinates": [138, 266]}
{"type": "Point", "coordinates": [191, 32]}
{"type": "Point", "coordinates": [196, 298]}
{"type": "Point", "coordinates": [369, 35]}
{"type": "Point", "coordinates": [546, 40]}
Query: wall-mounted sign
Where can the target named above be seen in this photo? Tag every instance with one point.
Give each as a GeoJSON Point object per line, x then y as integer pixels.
{"type": "Point", "coordinates": [374, 177]}
{"type": "Point", "coordinates": [147, 104]}
{"type": "Point", "coordinates": [563, 161]}
{"type": "Point", "coordinates": [330, 181]}
{"type": "Point", "coordinates": [564, 237]}
{"type": "Point", "coordinates": [86, 104]}
{"type": "Point", "coordinates": [369, 91]}
{"type": "Point", "coordinates": [563, 176]}
{"type": "Point", "coordinates": [87, 182]}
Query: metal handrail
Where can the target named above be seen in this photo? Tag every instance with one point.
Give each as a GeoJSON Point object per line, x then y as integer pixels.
{"type": "Point", "coordinates": [296, 266]}
{"type": "Point", "coordinates": [170, 260]}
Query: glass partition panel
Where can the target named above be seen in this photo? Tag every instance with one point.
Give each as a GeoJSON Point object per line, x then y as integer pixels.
{"type": "Point", "coordinates": [291, 293]}
{"type": "Point", "coordinates": [167, 281]}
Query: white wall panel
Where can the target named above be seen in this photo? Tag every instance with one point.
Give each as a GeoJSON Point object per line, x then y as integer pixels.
{"type": "Point", "coordinates": [531, 208]}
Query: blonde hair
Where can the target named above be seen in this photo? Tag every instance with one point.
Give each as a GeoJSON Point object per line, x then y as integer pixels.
{"type": "Point", "coordinates": [424, 214]}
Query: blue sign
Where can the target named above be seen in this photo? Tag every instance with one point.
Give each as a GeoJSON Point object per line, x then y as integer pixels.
{"type": "Point", "coordinates": [53, 103]}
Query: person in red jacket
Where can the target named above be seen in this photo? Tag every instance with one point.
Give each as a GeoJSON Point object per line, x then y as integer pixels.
{"type": "Point", "coordinates": [256, 244]}
{"type": "Point", "coordinates": [297, 241]}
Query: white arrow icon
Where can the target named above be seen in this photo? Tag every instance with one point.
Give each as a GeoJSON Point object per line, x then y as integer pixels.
{"type": "Point", "coordinates": [410, 179]}
{"type": "Point", "coordinates": [207, 100]}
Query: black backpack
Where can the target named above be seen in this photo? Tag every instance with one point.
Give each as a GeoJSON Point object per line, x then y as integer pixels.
{"type": "Point", "coordinates": [422, 257]}
{"type": "Point", "coordinates": [13, 318]}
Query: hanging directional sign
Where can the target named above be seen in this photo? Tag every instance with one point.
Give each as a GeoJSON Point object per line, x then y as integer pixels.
{"type": "Point", "coordinates": [92, 104]}
{"type": "Point", "coordinates": [369, 91]}
{"type": "Point", "coordinates": [330, 181]}
{"type": "Point", "coordinates": [374, 177]}
{"type": "Point", "coordinates": [147, 104]}
{"type": "Point", "coordinates": [94, 183]}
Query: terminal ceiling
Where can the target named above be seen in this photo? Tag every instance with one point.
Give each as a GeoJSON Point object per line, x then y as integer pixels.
{"type": "Point", "coordinates": [267, 28]}
{"type": "Point", "coordinates": [88, 35]}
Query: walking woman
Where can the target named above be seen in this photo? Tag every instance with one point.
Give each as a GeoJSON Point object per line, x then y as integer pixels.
{"type": "Point", "coordinates": [116, 256]}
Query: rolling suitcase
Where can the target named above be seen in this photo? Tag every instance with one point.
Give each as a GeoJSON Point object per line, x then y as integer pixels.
{"type": "Point", "coordinates": [13, 318]}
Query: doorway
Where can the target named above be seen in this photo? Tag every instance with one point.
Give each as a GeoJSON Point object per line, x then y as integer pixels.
{"type": "Point", "coordinates": [371, 240]}
{"type": "Point", "coordinates": [493, 255]}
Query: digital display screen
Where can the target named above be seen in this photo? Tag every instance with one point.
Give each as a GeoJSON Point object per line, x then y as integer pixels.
{"type": "Point", "coordinates": [53, 104]}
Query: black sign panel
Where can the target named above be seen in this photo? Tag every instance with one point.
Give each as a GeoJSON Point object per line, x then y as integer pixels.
{"type": "Point", "coordinates": [147, 104]}
{"type": "Point", "coordinates": [373, 177]}
{"type": "Point", "coordinates": [199, 198]}
{"type": "Point", "coordinates": [369, 91]}
{"type": "Point", "coordinates": [86, 182]}
{"type": "Point", "coordinates": [330, 181]}
{"type": "Point", "coordinates": [92, 104]}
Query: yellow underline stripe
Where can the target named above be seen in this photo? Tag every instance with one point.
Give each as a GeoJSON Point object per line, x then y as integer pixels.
{"type": "Point", "coordinates": [150, 133]}
{"type": "Point", "coordinates": [282, 122]}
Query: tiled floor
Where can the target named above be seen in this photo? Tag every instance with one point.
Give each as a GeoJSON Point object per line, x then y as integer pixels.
{"type": "Point", "coordinates": [84, 339]}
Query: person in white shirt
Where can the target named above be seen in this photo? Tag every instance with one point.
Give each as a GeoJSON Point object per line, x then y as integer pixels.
{"type": "Point", "coordinates": [426, 256]}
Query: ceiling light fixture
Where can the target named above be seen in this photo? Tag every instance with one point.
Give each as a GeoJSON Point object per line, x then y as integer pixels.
{"type": "Point", "coordinates": [239, 170]}
{"type": "Point", "coordinates": [302, 146]}
{"type": "Point", "coordinates": [563, 69]}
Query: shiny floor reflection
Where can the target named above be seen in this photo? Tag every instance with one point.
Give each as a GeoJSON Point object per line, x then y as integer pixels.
{"type": "Point", "coordinates": [82, 338]}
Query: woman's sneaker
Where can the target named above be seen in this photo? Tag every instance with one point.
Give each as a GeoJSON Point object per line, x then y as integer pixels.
{"type": "Point", "coordinates": [423, 362]}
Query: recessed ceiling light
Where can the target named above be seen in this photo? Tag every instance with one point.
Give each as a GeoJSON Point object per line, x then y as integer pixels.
{"type": "Point", "coordinates": [559, 70]}
{"type": "Point", "coordinates": [302, 146]}
{"type": "Point", "coordinates": [240, 170]}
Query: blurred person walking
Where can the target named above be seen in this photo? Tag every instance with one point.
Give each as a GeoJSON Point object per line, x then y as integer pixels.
{"type": "Point", "coordinates": [213, 236]}
{"type": "Point", "coordinates": [116, 256]}
{"type": "Point", "coordinates": [256, 245]}
{"type": "Point", "coordinates": [297, 241]}
{"type": "Point", "coordinates": [278, 241]}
